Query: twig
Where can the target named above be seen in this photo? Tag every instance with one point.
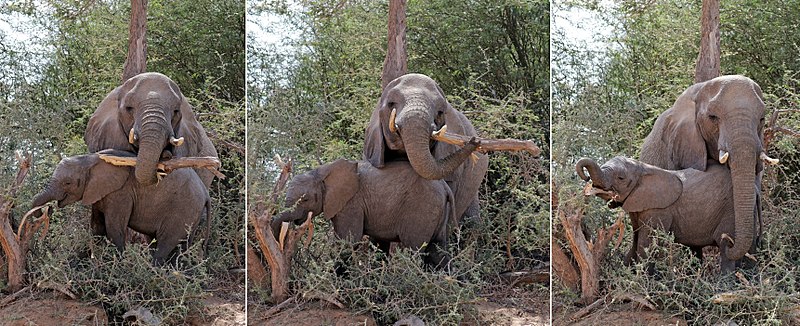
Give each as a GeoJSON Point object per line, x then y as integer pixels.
{"type": "Point", "coordinates": [637, 299]}
{"type": "Point", "coordinates": [10, 298]}
{"type": "Point", "coordinates": [277, 308]}
{"type": "Point", "coordinates": [586, 310]}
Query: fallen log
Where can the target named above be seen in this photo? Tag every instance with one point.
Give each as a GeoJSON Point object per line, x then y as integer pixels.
{"type": "Point", "coordinates": [487, 145]}
{"type": "Point", "coordinates": [208, 162]}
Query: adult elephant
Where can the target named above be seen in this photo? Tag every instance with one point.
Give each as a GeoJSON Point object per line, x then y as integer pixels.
{"type": "Point", "coordinates": [721, 119]}
{"type": "Point", "coordinates": [410, 108]}
{"type": "Point", "coordinates": [149, 115]}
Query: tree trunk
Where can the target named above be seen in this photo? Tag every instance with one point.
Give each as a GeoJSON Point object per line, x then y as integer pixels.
{"type": "Point", "coordinates": [707, 66]}
{"type": "Point", "coordinates": [395, 64]}
{"type": "Point", "coordinates": [136, 62]}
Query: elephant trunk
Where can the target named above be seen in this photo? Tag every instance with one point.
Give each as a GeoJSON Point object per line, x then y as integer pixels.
{"type": "Point", "coordinates": [594, 172]}
{"type": "Point", "coordinates": [743, 167]}
{"type": "Point", "coordinates": [154, 135]}
{"type": "Point", "coordinates": [416, 134]}
{"type": "Point", "coordinates": [48, 194]}
{"type": "Point", "coordinates": [277, 222]}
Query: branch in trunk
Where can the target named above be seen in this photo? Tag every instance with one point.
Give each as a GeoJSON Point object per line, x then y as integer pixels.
{"type": "Point", "coordinates": [487, 145]}
{"type": "Point", "coordinates": [208, 162]}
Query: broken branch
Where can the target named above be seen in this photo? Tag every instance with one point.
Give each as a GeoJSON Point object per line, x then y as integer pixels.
{"type": "Point", "coordinates": [208, 162]}
{"type": "Point", "coordinates": [487, 145]}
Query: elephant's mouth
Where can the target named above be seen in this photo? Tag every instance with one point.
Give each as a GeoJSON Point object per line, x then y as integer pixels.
{"type": "Point", "coordinates": [611, 196]}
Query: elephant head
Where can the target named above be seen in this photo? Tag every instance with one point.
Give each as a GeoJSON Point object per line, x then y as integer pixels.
{"type": "Point", "coordinates": [720, 119]}
{"type": "Point", "coordinates": [325, 189]}
{"type": "Point", "coordinates": [634, 185]}
{"type": "Point", "coordinates": [411, 107]}
{"type": "Point", "coordinates": [148, 115]}
{"type": "Point", "coordinates": [84, 178]}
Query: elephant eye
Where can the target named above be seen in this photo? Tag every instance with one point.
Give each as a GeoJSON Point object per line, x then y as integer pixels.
{"type": "Point", "coordinates": [713, 117]}
{"type": "Point", "coordinates": [129, 109]}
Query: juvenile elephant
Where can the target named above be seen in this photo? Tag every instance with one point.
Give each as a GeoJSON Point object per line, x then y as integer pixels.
{"type": "Point", "coordinates": [696, 206]}
{"type": "Point", "coordinates": [162, 211]}
{"type": "Point", "coordinates": [420, 107]}
{"type": "Point", "coordinates": [722, 120]}
{"type": "Point", "coordinates": [389, 204]}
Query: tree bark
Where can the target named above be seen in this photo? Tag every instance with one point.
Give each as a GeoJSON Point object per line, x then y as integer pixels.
{"type": "Point", "coordinates": [136, 61]}
{"type": "Point", "coordinates": [707, 66]}
{"type": "Point", "coordinates": [588, 255]}
{"type": "Point", "coordinates": [396, 62]}
{"type": "Point", "coordinates": [15, 245]}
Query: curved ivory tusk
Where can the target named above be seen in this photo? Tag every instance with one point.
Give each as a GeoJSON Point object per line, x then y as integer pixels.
{"type": "Point", "coordinates": [131, 136]}
{"type": "Point", "coordinates": [392, 116]}
{"type": "Point", "coordinates": [773, 161]}
{"type": "Point", "coordinates": [440, 132]}
{"type": "Point", "coordinates": [177, 142]}
{"type": "Point", "coordinates": [723, 157]}
{"type": "Point", "coordinates": [725, 236]}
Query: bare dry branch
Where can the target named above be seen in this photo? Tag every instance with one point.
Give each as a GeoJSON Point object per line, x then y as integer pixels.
{"type": "Point", "coordinates": [487, 145]}
{"type": "Point", "coordinates": [209, 162]}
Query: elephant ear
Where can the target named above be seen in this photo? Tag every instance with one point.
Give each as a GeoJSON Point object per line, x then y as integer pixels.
{"type": "Point", "coordinates": [374, 143]}
{"type": "Point", "coordinates": [104, 129]}
{"type": "Point", "coordinates": [102, 179]}
{"type": "Point", "coordinates": [683, 137]}
{"type": "Point", "coordinates": [656, 188]}
{"type": "Point", "coordinates": [341, 184]}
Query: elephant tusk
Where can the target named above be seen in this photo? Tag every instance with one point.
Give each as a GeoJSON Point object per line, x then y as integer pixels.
{"type": "Point", "coordinates": [725, 236]}
{"type": "Point", "coordinates": [392, 125]}
{"type": "Point", "coordinates": [748, 255]}
{"type": "Point", "coordinates": [440, 132]}
{"type": "Point", "coordinates": [723, 157]}
{"type": "Point", "coordinates": [131, 137]}
{"type": "Point", "coordinates": [177, 142]}
{"type": "Point", "coordinates": [767, 159]}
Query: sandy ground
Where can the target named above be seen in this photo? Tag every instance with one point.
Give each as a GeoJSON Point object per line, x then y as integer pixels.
{"type": "Point", "coordinates": [47, 309]}
{"type": "Point", "coordinates": [512, 307]}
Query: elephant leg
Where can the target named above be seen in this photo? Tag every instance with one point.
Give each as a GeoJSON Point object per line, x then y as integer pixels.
{"type": "Point", "coordinates": [97, 222]}
{"type": "Point", "coordinates": [117, 211]}
{"type": "Point", "coordinates": [631, 256]}
{"type": "Point", "coordinates": [165, 244]}
{"type": "Point", "coordinates": [726, 265]}
{"type": "Point", "coordinates": [473, 212]}
{"type": "Point", "coordinates": [437, 254]}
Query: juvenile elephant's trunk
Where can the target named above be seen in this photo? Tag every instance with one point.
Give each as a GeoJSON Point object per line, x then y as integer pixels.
{"type": "Point", "coordinates": [155, 131]}
{"type": "Point", "coordinates": [743, 168]}
{"type": "Point", "coordinates": [416, 134]}
{"type": "Point", "coordinates": [594, 172]}
{"type": "Point", "coordinates": [48, 194]}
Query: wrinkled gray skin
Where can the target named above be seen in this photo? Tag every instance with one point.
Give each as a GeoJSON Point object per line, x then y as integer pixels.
{"type": "Point", "coordinates": [163, 211]}
{"type": "Point", "coordinates": [153, 105]}
{"type": "Point", "coordinates": [696, 206]}
{"type": "Point", "coordinates": [422, 108]}
{"type": "Point", "coordinates": [389, 204]}
{"type": "Point", "coordinates": [722, 114]}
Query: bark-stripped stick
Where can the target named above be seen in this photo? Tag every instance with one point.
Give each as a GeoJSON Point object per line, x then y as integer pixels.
{"type": "Point", "coordinates": [208, 162]}
{"type": "Point", "coordinates": [487, 144]}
